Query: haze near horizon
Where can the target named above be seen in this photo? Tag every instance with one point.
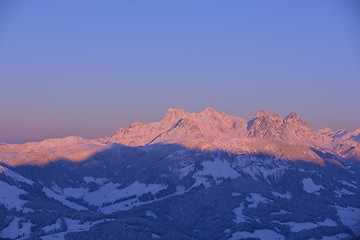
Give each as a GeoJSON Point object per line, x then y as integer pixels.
{"type": "Point", "coordinates": [88, 68]}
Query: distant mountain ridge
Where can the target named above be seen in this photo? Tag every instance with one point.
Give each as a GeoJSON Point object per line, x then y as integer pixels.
{"type": "Point", "coordinates": [210, 127]}
{"type": "Point", "coordinates": [289, 138]}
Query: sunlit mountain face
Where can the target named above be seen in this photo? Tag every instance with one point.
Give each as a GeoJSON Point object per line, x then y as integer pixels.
{"type": "Point", "coordinates": [204, 175]}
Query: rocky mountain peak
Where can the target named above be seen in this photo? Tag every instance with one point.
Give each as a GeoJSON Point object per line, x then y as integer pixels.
{"type": "Point", "coordinates": [175, 111]}
{"type": "Point", "coordinates": [264, 124]}
{"type": "Point", "coordinates": [136, 124]}
{"type": "Point", "coordinates": [296, 122]}
{"type": "Point", "coordinates": [209, 114]}
{"type": "Point", "coordinates": [261, 113]}
{"type": "Point", "coordinates": [292, 115]}
{"type": "Point", "coordinates": [209, 110]}
{"type": "Point", "coordinates": [272, 126]}
{"type": "Point", "coordinates": [174, 114]}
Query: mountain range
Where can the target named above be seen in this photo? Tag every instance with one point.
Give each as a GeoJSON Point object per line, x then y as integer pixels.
{"type": "Point", "coordinates": [206, 175]}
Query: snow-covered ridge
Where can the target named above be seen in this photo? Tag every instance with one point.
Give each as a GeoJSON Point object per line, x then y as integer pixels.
{"type": "Point", "coordinates": [211, 129]}
{"type": "Point", "coordinates": [70, 148]}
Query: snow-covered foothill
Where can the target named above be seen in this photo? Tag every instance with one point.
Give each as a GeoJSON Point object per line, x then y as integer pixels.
{"type": "Point", "coordinates": [343, 192]}
{"type": "Point", "coordinates": [216, 170]}
{"type": "Point", "coordinates": [99, 181]}
{"type": "Point", "coordinates": [348, 184]}
{"type": "Point", "coordinates": [328, 222]}
{"type": "Point", "coordinates": [15, 230]}
{"type": "Point", "coordinates": [51, 194]}
{"type": "Point", "coordinates": [110, 192]}
{"type": "Point", "coordinates": [299, 226]}
{"type": "Point", "coordinates": [310, 187]}
{"type": "Point", "coordinates": [17, 177]}
{"type": "Point", "coordinates": [281, 211]}
{"type": "Point", "coordinates": [75, 192]}
{"type": "Point", "coordinates": [286, 195]}
{"type": "Point", "coordinates": [239, 214]}
{"type": "Point", "coordinates": [10, 196]}
{"type": "Point", "coordinates": [263, 234]}
{"type": "Point", "coordinates": [150, 214]}
{"type": "Point", "coordinates": [184, 171]}
{"type": "Point", "coordinates": [52, 227]}
{"type": "Point", "coordinates": [341, 236]}
{"type": "Point", "coordinates": [255, 199]}
{"type": "Point", "coordinates": [350, 216]}
{"type": "Point", "coordinates": [73, 225]}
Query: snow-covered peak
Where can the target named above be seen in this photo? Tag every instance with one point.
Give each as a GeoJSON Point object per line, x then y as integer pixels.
{"type": "Point", "coordinates": [272, 126]}
{"type": "Point", "coordinates": [136, 124]}
{"type": "Point", "coordinates": [292, 115]}
{"type": "Point", "coordinates": [209, 110]}
{"type": "Point", "coordinates": [209, 114]}
{"type": "Point", "coordinates": [294, 118]}
{"type": "Point", "coordinates": [175, 112]}
{"type": "Point", "coordinates": [264, 124]}
{"type": "Point", "coordinates": [261, 113]}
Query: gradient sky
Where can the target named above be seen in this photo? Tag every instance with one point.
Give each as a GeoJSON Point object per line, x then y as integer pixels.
{"type": "Point", "coordinates": [88, 67]}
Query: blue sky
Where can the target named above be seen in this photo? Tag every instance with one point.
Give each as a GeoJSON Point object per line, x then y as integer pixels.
{"type": "Point", "coordinates": [88, 67]}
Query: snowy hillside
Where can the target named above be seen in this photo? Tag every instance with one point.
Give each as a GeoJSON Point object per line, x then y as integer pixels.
{"type": "Point", "coordinates": [204, 175]}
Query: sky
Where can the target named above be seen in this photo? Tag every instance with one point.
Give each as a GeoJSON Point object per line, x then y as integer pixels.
{"type": "Point", "coordinates": [87, 68]}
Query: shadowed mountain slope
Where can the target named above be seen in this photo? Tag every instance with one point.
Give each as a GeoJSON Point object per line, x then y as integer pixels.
{"type": "Point", "coordinates": [204, 175]}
